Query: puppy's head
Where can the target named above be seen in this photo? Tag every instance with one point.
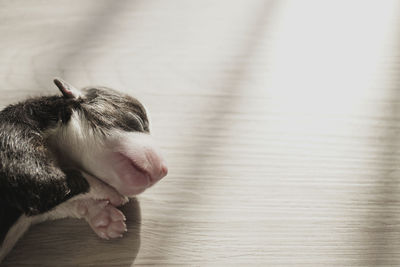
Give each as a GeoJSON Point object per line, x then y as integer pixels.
{"type": "Point", "coordinates": [108, 136]}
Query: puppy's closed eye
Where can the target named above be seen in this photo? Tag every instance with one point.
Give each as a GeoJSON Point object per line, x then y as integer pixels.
{"type": "Point", "coordinates": [134, 122]}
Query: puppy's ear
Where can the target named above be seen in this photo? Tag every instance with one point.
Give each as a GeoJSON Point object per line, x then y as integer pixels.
{"type": "Point", "coordinates": [67, 90]}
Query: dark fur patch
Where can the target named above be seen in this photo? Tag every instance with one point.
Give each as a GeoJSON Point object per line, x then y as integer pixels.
{"type": "Point", "coordinates": [39, 114]}
{"type": "Point", "coordinates": [30, 179]}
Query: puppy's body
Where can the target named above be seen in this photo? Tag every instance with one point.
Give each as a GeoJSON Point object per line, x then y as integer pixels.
{"type": "Point", "coordinates": [77, 155]}
{"type": "Point", "coordinates": [30, 180]}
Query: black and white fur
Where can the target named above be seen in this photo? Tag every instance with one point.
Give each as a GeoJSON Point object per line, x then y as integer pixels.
{"type": "Point", "coordinates": [78, 155]}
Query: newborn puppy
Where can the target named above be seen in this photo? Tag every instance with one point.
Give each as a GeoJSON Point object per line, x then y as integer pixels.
{"type": "Point", "coordinates": [78, 155]}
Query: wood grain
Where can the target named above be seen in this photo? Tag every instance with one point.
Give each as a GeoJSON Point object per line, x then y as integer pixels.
{"type": "Point", "coordinates": [279, 120]}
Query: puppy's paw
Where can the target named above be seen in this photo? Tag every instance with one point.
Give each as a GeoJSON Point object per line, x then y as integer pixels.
{"type": "Point", "coordinates": [105, 220]}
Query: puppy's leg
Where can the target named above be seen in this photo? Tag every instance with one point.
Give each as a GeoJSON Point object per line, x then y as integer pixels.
{"type": "Point", "coordinates": [14, 234]}
{"type": "Point", "coordinates": [66, 184]}
{"type": "Point", "coordinates": [101, 191]}
{"type": "Point", "coordinates": [97, 207]}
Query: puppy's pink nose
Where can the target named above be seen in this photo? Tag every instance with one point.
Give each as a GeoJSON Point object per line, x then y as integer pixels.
{"type": "Point", "coordinates": [164, 170]}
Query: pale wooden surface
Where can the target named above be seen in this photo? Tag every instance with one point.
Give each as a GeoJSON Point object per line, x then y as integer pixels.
{"type": "Point", "coordinates": [279, 120]}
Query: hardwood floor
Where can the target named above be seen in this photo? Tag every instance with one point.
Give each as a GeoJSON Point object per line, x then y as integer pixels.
{"type": "Point", "coordinates": [279, 121]}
